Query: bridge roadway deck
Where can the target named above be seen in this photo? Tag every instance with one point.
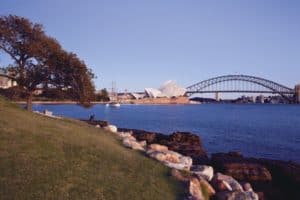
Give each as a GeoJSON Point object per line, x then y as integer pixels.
{"type": "Point", "coordinates": [238, 91]}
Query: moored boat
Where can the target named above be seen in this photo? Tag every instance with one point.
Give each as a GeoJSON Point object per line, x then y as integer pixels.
{"type": "Point", "coordinates": [113, 104]}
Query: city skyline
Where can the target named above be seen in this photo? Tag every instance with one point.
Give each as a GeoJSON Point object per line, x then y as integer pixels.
{"type": "Point", "coordinates": [142, 44]}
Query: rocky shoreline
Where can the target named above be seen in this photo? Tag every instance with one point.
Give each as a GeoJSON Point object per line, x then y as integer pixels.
{"type": "Point", "coordinates": [221, 176]}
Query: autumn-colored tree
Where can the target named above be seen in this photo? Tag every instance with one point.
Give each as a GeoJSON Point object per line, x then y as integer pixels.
{"type": "Point", "coordinates": [102, 95]}
{"type": "Point", "coordinates": [70, 73]}
{"type": "Point", "coordinates": [39, 60]}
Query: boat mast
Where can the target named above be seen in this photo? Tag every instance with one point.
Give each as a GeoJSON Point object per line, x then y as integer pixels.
{"type": "Point", "coordinates": [114, 94]}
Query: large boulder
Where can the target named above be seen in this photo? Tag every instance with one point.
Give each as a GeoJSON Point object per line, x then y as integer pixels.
{"type": "Point", "coordinates": [165, 156]}
{"type": "Point", "coordinates": [240, 168]}
{"type": "Point", "coordinates": [236, 195]}
{"type": "Point", "coordinates": [200, 189]}
{"type": "Point", "coordinates": [172, 159]}
{"type": "Point", "coordinates": [285, 179]}
{"type": "Point", "coordinates": [126, 135]}
{"type": "Point", "coordinates": [133, 144]}
{"type": "Point", "coordinates": [150, 137]}
{"type": "Point", "coordinates": [247, 187]}
{"type": "Point", "coordinates": [111, 128]}
{"type": "Point", "coordinates": [203, 171]}
{"type": "Point", "coordinates": [247, 171]}
{"type": "Point", "coordinates": [195, 190]}
{"type": "Point", "coordinates": [223, 182]}
{"type": "Point", "coordinates": [186, 160]}
{"type": "Point", "coordinates": [179, 166]}
{"type": "Point", "coordinates": [188, 144]}
{"type": "Point", "coordinates": [157, 147]}
{"type": "Point", "coordinates": [283, 170]}
{"type": "Point", "coordinates": [178, 175]}
{"type": "Point", "coordinates": [207, 187]}
{"type": "Point", "coordinates": [160, 156]}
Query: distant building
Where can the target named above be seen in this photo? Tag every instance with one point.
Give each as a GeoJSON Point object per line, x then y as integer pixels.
{"type": "Point", "coordinates": [260, 99]}
{"type": "Point", "coordinates": [5, 81]}
{"type": "Point", "coordinates": [129, 96]}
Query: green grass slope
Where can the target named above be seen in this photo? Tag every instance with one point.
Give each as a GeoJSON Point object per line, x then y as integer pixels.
{"type": "Point", "coordinates": [42, 158]}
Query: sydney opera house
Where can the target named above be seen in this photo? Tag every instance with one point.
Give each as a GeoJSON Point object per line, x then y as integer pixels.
{"type": "Point", "coordinates": [168, 93]}
{"type": "Point", "coordinates": [169, 89]}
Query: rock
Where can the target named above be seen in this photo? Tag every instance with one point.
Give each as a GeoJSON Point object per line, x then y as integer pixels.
{"type": "Point", "coordinates": [221, 181]}
{"type": "Point", "coordinates": [247, 171]}
{"type": "Point", "coordinates": [280, 169]}
{"type": "Point", "coordinates": [157, 155]}
{"type": "Point", "coordinates": [240, 168]}
{"type": "Point", "coordinates": [97, 126]}
{"type": "Point", "coordinates": [200, 189]}
{"type": "Point", "coordinates": [133, 144]}
{"type": "Point", "coordinates": [247, 187]}
{"type": "Point", "coordinates": [179, 166]}
{"type": "Point", "coordinates": [180, 176]}
{"type": "Point", "coordinates": [157, 147]}
{"type": "Point", "coordinates": [143, 144]}
{"type": "Point", "coordinates": [126, 135]}
{"type": "Point", "coordinates": [111, 128]}
{"type": "Point", "coordinates": [204, 171]}
{"type": "Point", "coordinates": [171, 159]}
{"type": "Point", "coordinates": [166, 156]}
{"type": "Point", "coordinates": [195, 189]}
{"type": "Point", "coordinates": [150, 137]}
{"type": "Point", "coordinates": [207, 187]}
{"type": "Point", "coordinates": [187, 144]}
{"type": "Point", "coordinates": [285, 179]}
{"type": "Point", "coordinates": [261, 196]}
{"type": "Point", "coordinates": [188, 161]}
{"type": "Point", "coordinates": [236, 195]}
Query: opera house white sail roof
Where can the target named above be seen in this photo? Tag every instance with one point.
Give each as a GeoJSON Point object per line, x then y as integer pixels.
{"type": "Point", "coordinates": [153, 93]}
{"type": "Point", "coordinates": [168, 89]}
{"type": "Point", "coordinates": [171, 89]}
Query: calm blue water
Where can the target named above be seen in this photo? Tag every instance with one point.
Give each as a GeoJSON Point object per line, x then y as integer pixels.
{"type": "Point", "coordinates": [269, 131]}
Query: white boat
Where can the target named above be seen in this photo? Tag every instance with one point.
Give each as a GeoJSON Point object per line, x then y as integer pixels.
{"type": "Point", "coordinates": [113, 105]}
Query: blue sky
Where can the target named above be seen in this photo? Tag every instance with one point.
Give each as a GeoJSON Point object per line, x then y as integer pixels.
{"type": "Point", "coordinates": [142, 43]}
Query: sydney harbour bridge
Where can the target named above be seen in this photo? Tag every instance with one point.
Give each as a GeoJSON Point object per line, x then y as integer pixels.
{"type": "Point", "coordinates": [244, 84]}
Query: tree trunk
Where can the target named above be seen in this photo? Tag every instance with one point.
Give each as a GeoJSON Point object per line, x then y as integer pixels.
{"type": "Point", "coordinates": [29, 101]}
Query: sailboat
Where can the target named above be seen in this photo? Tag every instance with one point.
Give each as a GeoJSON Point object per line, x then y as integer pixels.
{"type": "Point", "coordinates": [114, 97]}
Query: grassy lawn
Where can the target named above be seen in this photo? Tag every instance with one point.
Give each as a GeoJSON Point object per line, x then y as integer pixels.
{"type": "Point", "coordinates": [42, 158]}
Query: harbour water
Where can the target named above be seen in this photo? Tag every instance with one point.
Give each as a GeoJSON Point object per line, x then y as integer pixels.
{"type": "Point", "coordinates": [263, 131]}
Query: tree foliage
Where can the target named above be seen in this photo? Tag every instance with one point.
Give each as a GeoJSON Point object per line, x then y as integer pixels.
{"type": "Point", "coordinates": [102, 95]}
{"type": "Point", "coordinates": [40, 61]}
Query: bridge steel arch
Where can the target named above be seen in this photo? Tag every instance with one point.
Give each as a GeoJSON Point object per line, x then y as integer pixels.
{"type": "Point", "coordinates": [270, 86]}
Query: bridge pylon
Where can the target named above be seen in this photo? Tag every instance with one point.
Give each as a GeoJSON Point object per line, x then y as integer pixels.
{"type": "Point", "coordinates": [217, 98]}
{"type": "Point", "coordinates": [297, 93]}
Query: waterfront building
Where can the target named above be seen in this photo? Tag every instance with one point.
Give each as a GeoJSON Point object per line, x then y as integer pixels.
{"type": "Point", "coordinates": [260, 99]}
{"type": "Point", "coordinates": [6, 82]}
